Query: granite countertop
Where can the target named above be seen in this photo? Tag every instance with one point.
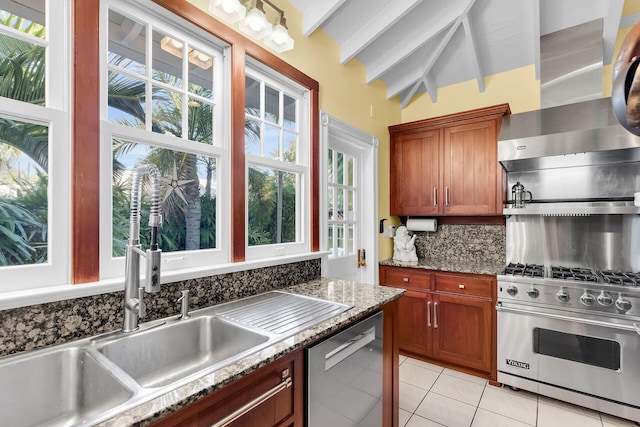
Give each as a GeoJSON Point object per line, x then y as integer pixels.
{"type": "Point", "coordinates": [453, 265]}
{"type": "Point", "coordinates": [364, 298]}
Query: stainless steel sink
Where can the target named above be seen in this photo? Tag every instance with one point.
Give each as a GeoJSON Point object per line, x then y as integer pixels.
{"type": "Point", "coordinates": [62, 387]}
{"type": "Point", "coordinates": [94, 379]}
{"type": "Point", "coordinates": [165, 354]}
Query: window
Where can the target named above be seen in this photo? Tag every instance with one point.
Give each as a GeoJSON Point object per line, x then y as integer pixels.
{"type": "Point", "coordinates": [34, 144]}
{"type": "Point", "coordinates": [342, 202]}
{"type": "Point", "coordinates": [163, 96]}
{"type": "Point", "coordinates": [277, 150]}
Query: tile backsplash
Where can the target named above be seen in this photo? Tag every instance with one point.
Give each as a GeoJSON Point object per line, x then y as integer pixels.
{"type": "Point", "coordinates": [41, 325]}
{"type": "Point", "coordinates": [479, 242]}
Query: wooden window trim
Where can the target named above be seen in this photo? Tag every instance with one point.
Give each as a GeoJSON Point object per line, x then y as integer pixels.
{"type": "Point", "coordinates": [85, 250]}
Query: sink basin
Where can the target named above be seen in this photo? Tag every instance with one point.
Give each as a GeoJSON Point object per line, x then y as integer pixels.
{"type": "Point", "coordinates": [162, 355]}
{"type": "Point", "coordinates": [61, 388]}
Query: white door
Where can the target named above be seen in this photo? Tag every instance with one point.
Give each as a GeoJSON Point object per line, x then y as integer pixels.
{"type": "Point", "coordinates": [349, 201]}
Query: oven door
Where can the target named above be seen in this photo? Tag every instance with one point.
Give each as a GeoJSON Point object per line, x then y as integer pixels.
{"type": "Point", "coordinates": [574, 351]}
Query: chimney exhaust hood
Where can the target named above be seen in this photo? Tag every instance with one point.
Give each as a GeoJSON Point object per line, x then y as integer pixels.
{"type": "Point", "coordinates": [582, 132]}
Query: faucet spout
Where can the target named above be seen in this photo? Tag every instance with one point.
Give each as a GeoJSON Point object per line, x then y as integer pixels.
{"type": "Point", "coordinates": [134, 306]}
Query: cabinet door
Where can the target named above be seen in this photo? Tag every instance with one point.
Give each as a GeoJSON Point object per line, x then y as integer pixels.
{"type": "Point", "coordinates": [414, 316]}
{"type": "Point", "coordinates": [284, 408]}
{"type": "Point", "coordinates": [462, 331]}
{"type": "Point", "coordinates": [415, 173]}
{"type": "Point", "coordinates": [470, 169]}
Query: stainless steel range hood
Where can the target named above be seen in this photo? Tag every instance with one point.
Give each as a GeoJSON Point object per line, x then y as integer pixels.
{"type": "Point", "coordinates": [580, 134]}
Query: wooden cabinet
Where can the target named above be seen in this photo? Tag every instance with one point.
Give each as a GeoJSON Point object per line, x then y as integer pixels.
{"type": "Point", "coordinates": [447, 166]}
{"type": "Point", "coordinates": [447, 317]}
{"type": "Point", "coordinates": [282, 405]}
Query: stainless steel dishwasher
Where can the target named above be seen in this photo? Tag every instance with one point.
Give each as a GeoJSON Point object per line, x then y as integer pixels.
{"type": "Point", "coordinates": [344, 377]}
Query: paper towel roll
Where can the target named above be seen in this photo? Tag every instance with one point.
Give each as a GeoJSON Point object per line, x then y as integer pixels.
{"type": "Point", "coordinates": [422, 224]}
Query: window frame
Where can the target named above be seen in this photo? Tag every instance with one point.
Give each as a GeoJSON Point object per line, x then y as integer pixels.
{"type": "Point", "coordinates": [301, 168]}
{"type": "Point", "coordinates": [56, 116]}
{"type": "Point", "coordinates": [155, 19]}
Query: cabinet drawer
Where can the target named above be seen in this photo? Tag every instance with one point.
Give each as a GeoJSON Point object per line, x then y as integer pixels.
{"type": "Point", "coordinates": [407, 278]}
{"type": "Point", "coordinates": [464, 285]}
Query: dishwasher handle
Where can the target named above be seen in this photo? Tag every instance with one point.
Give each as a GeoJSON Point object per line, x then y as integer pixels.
{"type": "Point", "coordinates": [336, 356]}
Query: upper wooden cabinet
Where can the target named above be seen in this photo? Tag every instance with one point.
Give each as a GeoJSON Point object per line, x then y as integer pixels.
{"type": "Point", "coordinates": [447, 165]}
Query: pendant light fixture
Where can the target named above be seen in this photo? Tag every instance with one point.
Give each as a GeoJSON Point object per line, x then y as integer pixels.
{"type": "Point", "coordinates": [229, 11]}
{"type": "Point", "coordinates": [279, 38]}
{"type": "Point", "coordinates": [254, 22]}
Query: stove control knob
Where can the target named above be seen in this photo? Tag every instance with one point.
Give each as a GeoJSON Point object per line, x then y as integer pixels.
{"type": "Point", "coordinates": [533, 292]}
{"type": "Point", "coordinates": [605, 299]}
{"type": "Point", "coordinates": [587, 299]}
{"type": "Point", "coordinates": [563, 296]}
{"type": "Point", "coordinates": [512, 290]}
{"type": "Point", "coordinates": [623, 304]}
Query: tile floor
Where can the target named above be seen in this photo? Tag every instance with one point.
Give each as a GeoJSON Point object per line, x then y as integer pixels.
{"type": "Point", "coordinates": [432, 396]}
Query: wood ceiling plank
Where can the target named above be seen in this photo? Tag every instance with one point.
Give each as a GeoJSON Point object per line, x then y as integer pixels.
{"type": "Point", "coordinates": [611, 26]}
{"type": "Point", "coordinates": [317, 14]}
{"type": "Point", "coordinates": [535, 24]}
{"type": "Point", "coordinates": [473, 52]}
{"type": "Point", "coordinates": [366, 34]}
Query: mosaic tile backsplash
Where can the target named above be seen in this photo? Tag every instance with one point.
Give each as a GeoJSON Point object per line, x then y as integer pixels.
{"type": "Point", "coordinates": [478, 242]}
{"type": "Point", "coordinates": [41, 325]}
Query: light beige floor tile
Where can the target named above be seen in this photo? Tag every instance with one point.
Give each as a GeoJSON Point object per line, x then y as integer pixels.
{"type": "Point", "coordinates": [402, 359]}
{"type": "Point", "coordinates": [410, 396]}
{"type": "Point", "coordinates": [556, 416]}
{"type": "Point", "coordinates": [427, 365]}
{"type": "Point", "coordinates": [464, 376]}
{"type": "Point", "coordinates": [403, 417]}
{"type": "Point", "coordinates": [417, 375]}
{"type": "Point", "coordinates": [611, 421]}
{"type": "Point", "coordinates": [485, 418]}
{"type": "Point", "coordinates": [569, 407]}
{"type": "Point", "coordinates": [520, 406]}
{"type": "Point", "coordinates": [446, 411]}
{"type": "Point", "coordinates": [418, 421]}
{"type": "Point", "coordinates": [458, 389]}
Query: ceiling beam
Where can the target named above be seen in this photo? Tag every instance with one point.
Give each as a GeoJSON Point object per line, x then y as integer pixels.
{"type": "Point", "coordinates": [428, 84]}
{"type": "Point", "coordinates": [381, 22]}
{"type": "Point", "coordinates": [473, 51]}
{"type": "Point", "coordinates": [610, 28]}
{"type": "Point", "coordinates": [406, 80]}
{"type": "Point", "coordinates": [407, 47]}
{"type": "Point", "coordinates": [535, 25]}
{"type": "Point", "coordinates": [317, 13]}
{"type": "Point", "coordinates": [404, 99]}
{"type": "Point", "coordinates": [629, 20]}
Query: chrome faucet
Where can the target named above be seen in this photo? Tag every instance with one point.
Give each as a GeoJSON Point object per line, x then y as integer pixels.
{"type": "Point", "coordinates": [134, 305]}
{"type": "Point", "coordinates": [184, 306]}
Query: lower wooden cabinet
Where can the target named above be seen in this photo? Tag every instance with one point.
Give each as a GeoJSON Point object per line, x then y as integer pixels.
{"type": "Point", "coordinates": [284, 408]}
{"type": "Point", "coordinates": [447, 317]}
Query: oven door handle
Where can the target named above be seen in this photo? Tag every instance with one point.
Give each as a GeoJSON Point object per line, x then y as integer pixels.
{"type": "Point", "coordinates": [635, 327]}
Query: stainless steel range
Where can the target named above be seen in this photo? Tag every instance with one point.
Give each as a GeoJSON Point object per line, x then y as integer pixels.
{"type": "Point", "coordinates": [569, 297]}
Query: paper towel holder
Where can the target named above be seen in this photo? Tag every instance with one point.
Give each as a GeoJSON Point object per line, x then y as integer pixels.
{"type": "Point", "coordinates": [422, 224]}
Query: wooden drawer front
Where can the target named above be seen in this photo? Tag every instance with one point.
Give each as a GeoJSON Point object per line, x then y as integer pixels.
{"type": "Point", "coordinates": [464, 285]}
{"type": "Point", "coordinates": [407, 278]}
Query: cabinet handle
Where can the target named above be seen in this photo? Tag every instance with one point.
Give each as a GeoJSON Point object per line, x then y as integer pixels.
{"type": "Point", "coordinates": [286, 383]}
{"type": "Point", "coordinates": [429, 314]}
{"type": "Point", "coordinates": [435, 196]}
{"type": "Point", "coordinates": [435, 315]}
{"type": "Point", "coordinates": [446, 196]}
{"type": "Point", "coordinates": [460, 286]}
{"type": "Point", "coordinates": [405, 279]}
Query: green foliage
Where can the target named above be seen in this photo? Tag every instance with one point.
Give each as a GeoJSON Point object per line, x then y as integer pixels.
{"type": "Point", "coordinates": [23, 225]}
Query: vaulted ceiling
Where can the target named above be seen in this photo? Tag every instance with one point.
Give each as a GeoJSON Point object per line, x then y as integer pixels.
{"type": "Point", "coordinates": [417, 46]}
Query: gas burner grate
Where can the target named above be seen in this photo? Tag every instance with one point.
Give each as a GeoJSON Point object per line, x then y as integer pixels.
{"type": "Point", "coordinates": [574, 273]}
{"type": "Point", "coordinates": [620, 278]}
{"type": "Point", "coordinates": [527, 270]}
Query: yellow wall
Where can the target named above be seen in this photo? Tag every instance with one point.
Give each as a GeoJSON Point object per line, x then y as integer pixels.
{"type": "Point", "coordinates": [345, 95]}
